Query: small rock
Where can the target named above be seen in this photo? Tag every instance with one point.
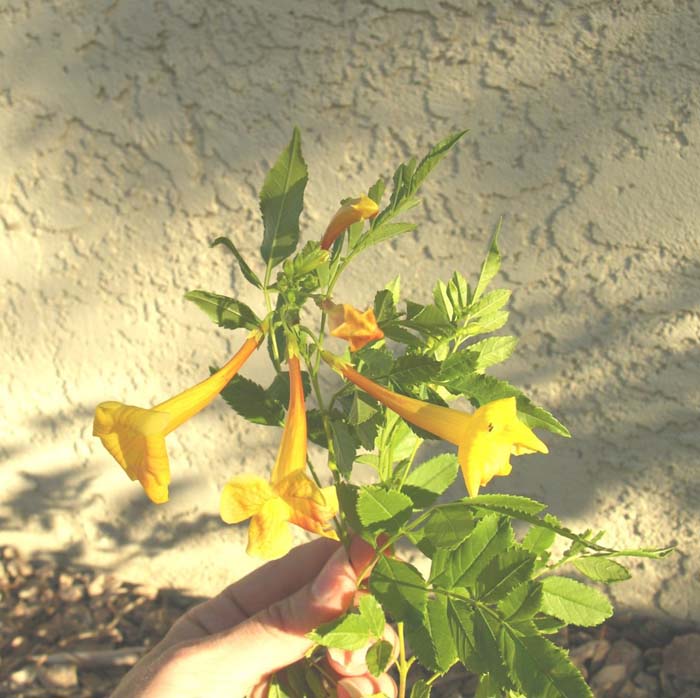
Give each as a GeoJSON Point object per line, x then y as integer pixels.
{"type": "Point", "coordinates": [23, 676]}
{"type": "Point", "coordinates": [70, 594]}
{"type": "Point", "coordinates": [59, 676]}
{"type": "Point", "coordinates": [647, 682]}
{"type": "Point", "coordinates": [609, 680]}
{"type": "Point", "coordinates": [97, 585]}
{"type": "Point", "coordinates": [680, 658]}
{"type": "Point", "coordinates": [629, 690]}
{"type": "Point", "coordinates": [9, 553]}
{"type": "Point", "coordinates": [601, 652]}
{"type": "Point", "coordinates": [652, 633]}
{"type": "Point", "coordinates": [625, 653]}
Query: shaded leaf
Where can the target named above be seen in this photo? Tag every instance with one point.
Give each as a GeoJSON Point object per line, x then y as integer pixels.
{"type": "Point", "coordinates": [281, 202]}
{"type": "Point", "coordinates": [225, 312]}
{"type": "Point", "coordinates": [382, 510]}
{"type": "Point", "coordinates": [429, 480]}
{"type": "Point", "coordinates": [574, 602]}
{"type": "Point", "coordinates": [378, 657]}
{"type": "Point", "coordinates": [247, 272]}
{"type": "Point", "coordinates": [349, 632]}
{"type": "Point", "coordinates": [400, 589]}
{"type": "Point", "coordinates": [602, 569]}
{"type": "Point", "coordinates": [491, 265]}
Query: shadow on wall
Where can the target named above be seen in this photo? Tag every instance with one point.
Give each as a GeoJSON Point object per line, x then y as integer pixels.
{"type": "Point", "coordinates": [581, 470]}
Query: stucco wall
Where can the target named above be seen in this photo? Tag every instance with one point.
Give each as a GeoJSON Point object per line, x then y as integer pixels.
{"type": "Point", "coordinates": [135, 132]}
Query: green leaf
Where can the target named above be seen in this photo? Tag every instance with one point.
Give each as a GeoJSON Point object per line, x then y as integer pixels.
{"type": "Point", "coordinates": [429, 480]}
{"type": "Point", "coordinates": [487, 688]}
{"type": "Point", "coordinates": [535, 417]}
{"type": "Point", "coordinates": [574, 602]}
{"type": "Point", "coordinates": [507, 504]}
{"type": "Point", "coordinates": [548, 625]}
{"type": "Point", "coordinates": [486, 323]}
{"type": "Point", "coordinates": [400, 589]}
{"type": "Point", "coordinates": [540, 668]}
{"type": "Point", "coordinates": [491, 265]}
{"type": "Point", "coordinates": [492, 535]}
{"type": "Point", "coordinates": [421, 689]}
{"type": "Point", "coordinates": [522, 602]}
{"type": "Point", "coordinates": [492, 350]}
{"type": "Point", "coordinates": [247, 272]}
{"type": "Point", "coordinates": [362, 409]}
{"type": "Point", "coordinates": [449, 525]}
{"type": "Point", "coordinates": [538, 539]}
{"type": "Point", "coordinates": [381, 233]}
{"type": "Point", "coordinates": [225, 312]}
{"type": "Point", "coordinates": [384, 306]}
{"type": "Point", "coordinates": [344, 447]}
{"type": "Point", "coordinates": [437, 153]}
{"type": "Point", "coordinates": [373, 613]}
{"type": "Point", "coordinates": [431, 640]}
{"type": "Point", "coordinates": [602, 569]}
{"type": "Point", "coordinates": [349, 632]}
{"type": "Point", "coordinates": [428, 319]}
{"type": "Point", "coordinates": [275, 690]}
{"type": "Point", "coordinates": [476, 637]}
{"type": "Point", "coordinates": [378, 362]}
{"type": "Point", "coordinates": [383, 510]}
{"type": "Point", "coordinates": [253, 402]}
{"type": "Point", "coordinates": [281, 202]}
{"type": "Point", "coordinates": [413, 369]}
{"type": "Point", "coordinates": [505, 572]}
{"type": "Point", "coordinates": [489, 303]}
{"type": "Point", "coordinates": [378, 657]}
{"type": "Point", "coordinates": [347, 499]}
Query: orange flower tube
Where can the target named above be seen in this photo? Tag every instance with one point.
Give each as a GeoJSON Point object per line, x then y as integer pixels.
{"type": "Point", "coordinates": [350, 212]}
{"type": "Point", "coordinates": [135, 436]}
{"type": "Point", "coordinates": [485, 439]}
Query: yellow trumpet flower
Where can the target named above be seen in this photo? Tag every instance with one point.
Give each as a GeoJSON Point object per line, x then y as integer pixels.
{"type": "Point", "coordinates": [485, 439]}
{"type": "Point", "coordinates": [290, 496]}
{"type": "Point", "coordinates": [135, 436]}
{"type": "Point", "coordinates": [354, 210]}
{"type": "Point", "coordinates": [348, 323]}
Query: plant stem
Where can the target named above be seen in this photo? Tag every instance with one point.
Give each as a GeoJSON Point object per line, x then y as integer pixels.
{"type": "Point", "coordinates": [403, 667]}
{"type": "Point", "coordinates": [268, 304]}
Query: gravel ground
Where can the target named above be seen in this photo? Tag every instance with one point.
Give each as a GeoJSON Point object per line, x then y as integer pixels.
{"type": "Point", "coordinates": [74, 632]}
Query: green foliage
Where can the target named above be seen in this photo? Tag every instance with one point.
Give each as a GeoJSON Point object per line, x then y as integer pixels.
{"type": "Point", "coordinates": [281, 203]}
{"type": "Point", "coordinates": [490, 598]}
{"type": "Point", "coordinates": [225, 312]}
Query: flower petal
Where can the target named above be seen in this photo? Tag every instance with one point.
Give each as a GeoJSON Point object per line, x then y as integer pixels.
{"type": "Point", "coordinates": [269, 535]}
{"type": "Point", "coordinates": [135, 438]}
{"type": "Point", "coordinates": [244, 496]}
{"type": "Point", "coordinates": [359, 329]}
{"type": "Point", "coordinates": [311, 507]}
{"type": "Point", "coordinates": [350, 212]}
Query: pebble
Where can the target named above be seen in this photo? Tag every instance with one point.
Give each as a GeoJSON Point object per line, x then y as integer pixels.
{"type": "Point", "coordinates": [682, 657]}
{"type": "Point", "coordinates": [609, 680]}
{"type": "Point", "coordinates": [59, 676]}
{"type": "Point", "coordinates": [625, 653]}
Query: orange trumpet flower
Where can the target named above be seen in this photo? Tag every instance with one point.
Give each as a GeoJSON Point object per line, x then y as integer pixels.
{"type": "Point", "coordinates": [485, 439]}
{"type": "Point", "coordinates": [135, 436]}
{"type": "Point", "coordinates": [348, 323]}
{"type": "Point", "coordinates": [290, 496]}
{"type": "Point", "coordinates": [350, 212]}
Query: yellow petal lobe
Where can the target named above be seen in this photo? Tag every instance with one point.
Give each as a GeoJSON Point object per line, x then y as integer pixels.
{"type": "Point", "coordinates": [350, 212]}
{"type": "Point", "coordinates": [244, 496]}
{"type": "Point", "coordinates": [357, 328]}
{"type": "Point", "coordinates": [269, 535]}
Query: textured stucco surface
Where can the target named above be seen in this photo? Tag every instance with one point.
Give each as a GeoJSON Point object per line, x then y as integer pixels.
{"type": "Point", "coordinates": [135, 132]}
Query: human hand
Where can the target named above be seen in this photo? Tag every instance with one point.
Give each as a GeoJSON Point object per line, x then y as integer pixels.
{"type": "Point", "coordinates": [229, 646]}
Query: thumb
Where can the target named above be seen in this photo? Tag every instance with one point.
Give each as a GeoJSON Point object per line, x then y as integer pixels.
{"type": "Point", "coordinates": [276, 636]}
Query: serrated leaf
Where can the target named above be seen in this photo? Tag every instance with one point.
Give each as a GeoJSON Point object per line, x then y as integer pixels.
{"type": "Point", "coordinates": [247, 272]}
{"type": "Point", "coordinates": [383, 510]}
{"type": "Point", "coordinates": [522, 602]}
{"type": "Point", "coordinates": [347, 499]}
{"type": "Point", "coordinates": [373, 613]}
{"type": "Point", "coordinates": [548, 625]}
{"type": "Point", "coordinates": [574, 602]}
{"type": "Point", "coordinates": [505, 572]}
{"type": "Point", "coordinates": [476, 638]}
{"type": "Point", "coordinates": [378, 657]}
{"type": "Point", "coordinates": [436, 153]}
{"type": "Point", "coordinates": [349, 632]}
{"type": "Point", "coordinates": [487, 688]}
{"type": "Point", "coordinates": [507, 504]}
{"type": "Point", "coordinates": [253, 402]}
{"type": "Point", "coordinates": [225, 312]}
{"type": "Point", "coordinates": [489, 303]}
{"type": "Point", "coordinates": [491, 265]}
{"type": "Point", "coordinates": [602, 569]}
{"type": "Point", "coordinates": [362, 409]}
{"type": "Point", "coordinates": [384, 306]}
{"type": "Point", "coordinates": [429, 480]}
{"type": "Point", "coordinates": [538, 539]}
{"type": "Point", "coordinates": [400, 589]}
{"type": "Point", "coordinates": [535, 417]}
{"type": "Point", "coordinates": [281, 202]}
{"type": "Point", "coordinates": [344, 446]}
{"type": "Point", "coordinates": [449, 525]}
{"type": "Point", "coordinates": [428, 319]}
{"type": "Point", "coordinates": [431, 640]}
{"type": "Point", "coordinates": [421, 689]}
{"type": "Point", "coordinates": [378, 362]}
{"type": "Point", "coordinates": [491, 536]}
{"type": "Point", "coordinates": [381, 233]}
{"type": "Point", "coordinates": [413, 370]}
{"type": "Point", "coordinates": [486, 323]}
{"type": "Point", "coordinates": [491, 351]}
{"type": "Point", "coordinates": [540, 668]}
